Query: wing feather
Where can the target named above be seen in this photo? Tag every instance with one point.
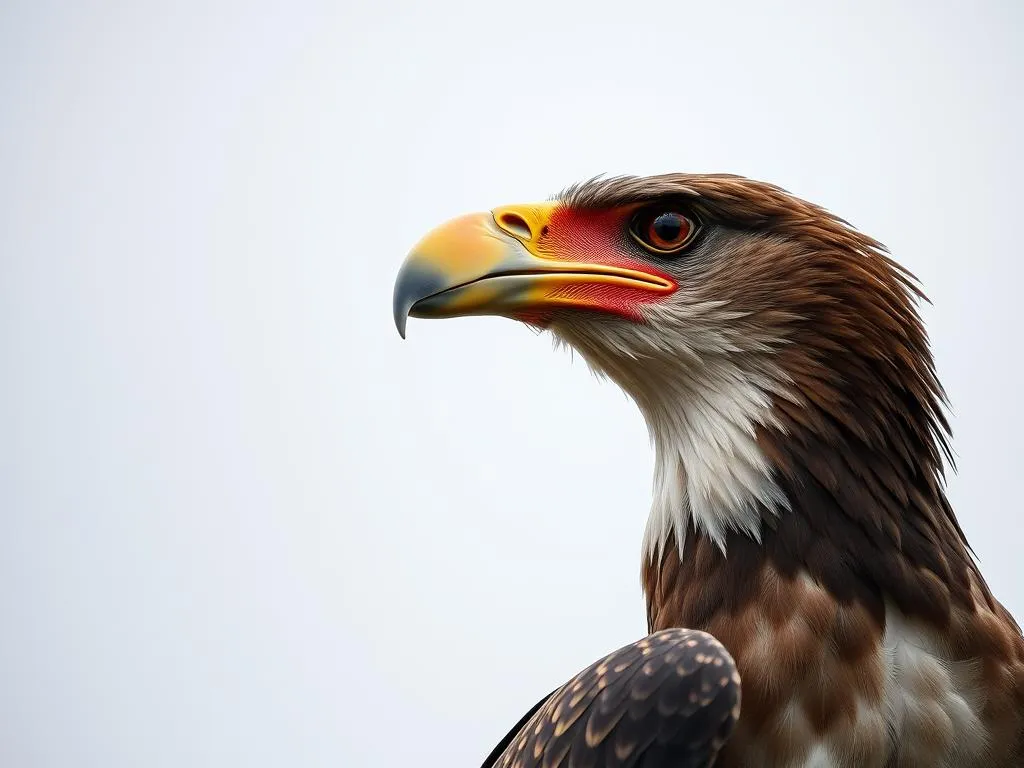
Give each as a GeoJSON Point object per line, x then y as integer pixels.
{"type": "Point", "coordinates": [669, 699]}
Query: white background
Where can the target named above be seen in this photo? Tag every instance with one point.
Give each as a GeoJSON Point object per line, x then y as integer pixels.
{"type": "Point", "coordinates": [241, 522]}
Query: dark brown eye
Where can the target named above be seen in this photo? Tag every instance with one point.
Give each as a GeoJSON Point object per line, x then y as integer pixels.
{"type": "Point", "coordinates": [662, 231]}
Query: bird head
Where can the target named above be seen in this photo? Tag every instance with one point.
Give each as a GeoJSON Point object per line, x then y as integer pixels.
{"type": "Point", "coordinates": [754, 330]}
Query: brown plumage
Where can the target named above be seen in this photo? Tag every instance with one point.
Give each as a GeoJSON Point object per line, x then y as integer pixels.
{"type": "Point", "coordinates": [800, 514]}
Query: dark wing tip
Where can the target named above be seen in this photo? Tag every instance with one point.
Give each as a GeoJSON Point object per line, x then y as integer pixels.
{"type": "Point", "coordinates": [669, 699]}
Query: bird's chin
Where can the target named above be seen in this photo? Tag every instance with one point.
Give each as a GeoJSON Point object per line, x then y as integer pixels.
{"type": "Point", "coordinates": [540, 319]}
{"type": "Point", "coordinates": [598, 326]}
{"type": "Point", "coordinates": [608, 342]}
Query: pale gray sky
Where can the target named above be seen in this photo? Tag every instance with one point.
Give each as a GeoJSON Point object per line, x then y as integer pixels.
{"type": "Point", "coordinates": [241, 522]}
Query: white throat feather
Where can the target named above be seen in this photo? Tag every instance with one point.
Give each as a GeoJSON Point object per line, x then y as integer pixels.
{"type": "Point", "coordinates": [703, 390]}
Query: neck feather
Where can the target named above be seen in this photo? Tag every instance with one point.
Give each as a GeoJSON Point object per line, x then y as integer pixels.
{"type": "Point", "coordinates": [704, 412]}
{"type": "Point", "coordinates": [818, 449]}
{"type": "Point", "coordinates": [710, 472]}
{"type": "Point", "coordinates": [779, 483]}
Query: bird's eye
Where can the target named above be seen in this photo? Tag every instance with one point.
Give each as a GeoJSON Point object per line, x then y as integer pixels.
{"type": "Point", "coordinates": [662, 231]}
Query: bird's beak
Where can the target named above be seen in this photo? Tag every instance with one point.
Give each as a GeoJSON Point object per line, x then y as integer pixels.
{"type": "Point", "coordinates": [503, 263]}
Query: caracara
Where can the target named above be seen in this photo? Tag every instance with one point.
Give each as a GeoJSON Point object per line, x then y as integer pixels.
{"type": "Point", "coordinates": [799, 511]}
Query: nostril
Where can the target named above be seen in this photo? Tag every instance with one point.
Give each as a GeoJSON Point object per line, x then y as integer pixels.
{"type": "Point", "coordinates": [516, 225]}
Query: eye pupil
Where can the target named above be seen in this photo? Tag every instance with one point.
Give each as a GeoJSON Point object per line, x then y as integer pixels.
{"type": "Point", "coordinates": [669, 228]}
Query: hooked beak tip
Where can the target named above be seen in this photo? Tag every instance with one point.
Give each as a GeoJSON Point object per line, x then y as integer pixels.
{"type": "Point", "coordinates": [415, 282]}
{"type": "Point", "coordinates": [401, 318]}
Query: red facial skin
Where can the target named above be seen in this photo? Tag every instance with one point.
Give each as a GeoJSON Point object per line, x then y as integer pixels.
{"type": "Point", "coordinates": [595, 237]}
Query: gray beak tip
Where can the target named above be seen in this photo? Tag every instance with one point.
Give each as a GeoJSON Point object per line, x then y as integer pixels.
{"type": "Point", "coordinates": [401, 317]}
{"type": "Point", "coordinates": [413, 284]}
